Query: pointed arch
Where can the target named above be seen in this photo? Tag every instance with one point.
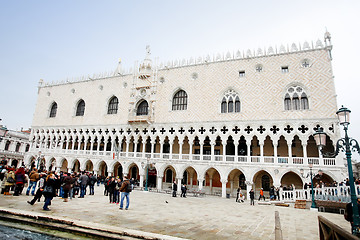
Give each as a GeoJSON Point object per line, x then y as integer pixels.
{"type": "Point", "coordinates": [113, 105]}
{"type": "Point", "coordinates": [143, 108]}
{"type": "Point", "coordinates": [80, 108]}
{"type": "Point", "coordinates": [53, 110]}
{"type": "Point", "coordinates": [179, 101]}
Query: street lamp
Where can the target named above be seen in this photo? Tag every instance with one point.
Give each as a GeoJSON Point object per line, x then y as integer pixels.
{"type": "Point", "coordinates": [346, 145]}
{"type": "Point", "coordinates": [313, 204]}
{"type": "Point", "coordinates": [147, 172]}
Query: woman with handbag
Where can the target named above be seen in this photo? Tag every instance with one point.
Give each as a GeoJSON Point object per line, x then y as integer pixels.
{"type": "Point", "coordinates": [9, 182]}
{"type": "Point", "coordinates": [49, 190]}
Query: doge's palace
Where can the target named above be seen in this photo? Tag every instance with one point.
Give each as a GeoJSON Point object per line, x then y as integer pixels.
{"type": "Point", "coordinates": [216, 122]}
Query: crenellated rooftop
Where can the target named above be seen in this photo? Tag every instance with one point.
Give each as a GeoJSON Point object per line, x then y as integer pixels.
{"type": "Point", "coordinates": [219, 57]}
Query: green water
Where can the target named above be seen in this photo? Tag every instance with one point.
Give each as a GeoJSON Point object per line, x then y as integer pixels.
{"type": "Point", "coordinates": [10, 230]}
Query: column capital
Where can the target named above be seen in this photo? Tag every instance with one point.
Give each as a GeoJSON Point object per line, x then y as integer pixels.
{"type": "Point", "coordinates": [224, 181]}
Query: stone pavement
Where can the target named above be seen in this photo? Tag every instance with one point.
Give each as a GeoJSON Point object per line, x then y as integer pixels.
{"type": "Point", "coordinates": [192, 217]}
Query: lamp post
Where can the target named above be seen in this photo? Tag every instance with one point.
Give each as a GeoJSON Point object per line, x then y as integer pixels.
{"type": "Point", "coordinates": [346, 145]}
{"type": "Point", "coordinates": [310, 174]}
{"type": "Point", "coordinates": [147, 172]}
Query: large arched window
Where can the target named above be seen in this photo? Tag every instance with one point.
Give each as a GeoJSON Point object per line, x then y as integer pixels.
{"type": "Point", "coordinates": [296, 99]}
{"type": "Point", "coordinates": [113, 105]}
{"type": "Point", "coordinates": [142, 108]}
{"type": "Point", "coordinates": [80, 110]}
{"type": "Point", "coordinates": [179, 101]}
{"type": "Point", "coordinates": [53, 110]}
{"type": "Point", "coordinates": [227, 103]}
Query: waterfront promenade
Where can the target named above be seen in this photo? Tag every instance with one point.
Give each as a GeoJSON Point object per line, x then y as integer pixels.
{"type": "Point", "coordinates": [206, 217]}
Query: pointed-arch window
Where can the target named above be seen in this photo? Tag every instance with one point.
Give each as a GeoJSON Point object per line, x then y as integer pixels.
{"type": "Point", "coordinates": [231, 105]}
{"type": "Point", "coordinates": [80, 110]}
{"type": "Point", "coordinates": [113, 105]}
{"type": "Point", "coordinates": [287, 102]}
{"type": "Point", "coordinates": [179, 101]}
{"type": "Point", "coordinates": [237, 104]}
{"type": "Point", "coordinates": [223, 106]}
{"type": "Point", "coordinates": [53, 110]}
{"type": "Point", "coordinates": [142, 109]}
{"type": "Point", "coordinates": [227, 103]}
{"type": "Point", "coordinates": [296, 102]}
{"type": "Point", "coordinates": [304, 101]}
{"type": "Point", "coordinates": [296, 99]}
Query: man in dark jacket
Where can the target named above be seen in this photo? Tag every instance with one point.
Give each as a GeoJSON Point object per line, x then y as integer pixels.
{"type": "Point", "coordinates": [124, 189]}
{"type": "Point", "coordinates": [174, 189]}
{"type": "Point", "coordinates": [83, 183]}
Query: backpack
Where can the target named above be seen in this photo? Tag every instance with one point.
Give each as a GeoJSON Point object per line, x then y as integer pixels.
{"type": "Point", "coordinates": [128, 187]}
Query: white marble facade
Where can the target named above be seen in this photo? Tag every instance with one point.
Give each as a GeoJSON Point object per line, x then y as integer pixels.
{"type": "Point", "coordinates": [214, 122]}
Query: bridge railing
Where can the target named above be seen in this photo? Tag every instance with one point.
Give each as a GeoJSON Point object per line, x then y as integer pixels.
{"type": "Point", "coordinates": [338, 194]}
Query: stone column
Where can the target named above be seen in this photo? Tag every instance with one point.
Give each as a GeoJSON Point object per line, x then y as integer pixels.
{"type": "Point", "coordinates": [143, 150]}
{"type": "Point", "coordinates": [152, 148]}
{"type": "Point", "coordinates": [223, 187]}
{"type": "Point", "coordinates": [127, 142]}
{"type": "Point", "coordinates": [212, 151]}
{"type": "Point", "coordinates": [248, 151]}
{"type": "Point", "coordinates": [248, 188]}
{"type": "Point", "coordinates": [141, 180]}
{"type": "Point", "coordinates": [236, 151]}
{"type": "Point", "coordinates": [191, 182]}
{"type": "Point", "coordinates": [179, 185]}
{"type": "Point", "coordinates": [171, 142]}
{"type": "Point", "coordinates": [201, 151]}
{"type": "Point", "coordinates": [200, 183]}
{"type": "Point", "coordinates": [161, 148]}
{"type": "Point", "coordinates": [290, 154]}
{"type": "Point", "coordinates": [275, 153]}
{"type": "Point", "coordinates": [180, 149]}
{"type": "Point", "coordinates": [305, 153]}
{"type": "Point", "coordinates": [224, 151]}
{"type": "Point", "coordinates": [159, 182]}
{"type": "Point", "coordinates": [231, 186]}
{"type": "Point", "coordinates": [262, 152]}
{"type": "Point", "coordinates": [191, 150]}
{"type": "Point", "coordinates": [210, 183]}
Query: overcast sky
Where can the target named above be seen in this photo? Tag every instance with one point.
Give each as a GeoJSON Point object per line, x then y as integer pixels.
{"type": "Point", "coordinates": [55, 40]}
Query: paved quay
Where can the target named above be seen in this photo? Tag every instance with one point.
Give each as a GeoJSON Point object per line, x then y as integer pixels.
{"type": "Point", "coordinates": [206, 217]}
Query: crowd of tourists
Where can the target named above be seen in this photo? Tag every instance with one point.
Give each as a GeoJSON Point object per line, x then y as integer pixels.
{"type": "Point", "coordinates": [65, 185]}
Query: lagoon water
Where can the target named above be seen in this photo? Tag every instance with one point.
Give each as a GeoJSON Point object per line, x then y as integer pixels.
{"type": "Point", "coordinates": [10, 233]}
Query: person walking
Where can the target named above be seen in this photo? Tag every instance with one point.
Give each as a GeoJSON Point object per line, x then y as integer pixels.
{"type": "Point", "coordinates": [252, 197]}
{"type": "Point", "coordinates": [83, 183]}
{"type": "Point", "coordinates": [9, 181]}
{"type": "Point", "coordinates": [34, 178]}
{"type": "Point", "coordinates": [66, 185]}
{"type": "Point", "coordinates": [125, 190]}
{"type": "Point", "coordinates": [261, 194]}
{"type": "Point", "coordinates": [49, 190]}
{"type": "Point", "coordinates": [183, 191]}
{"type": "Point", "coordinates": [237, 194]}
{"type": "Point", "coordinates": [111, 190]}
{"type": "Point", "coordinates": [40, 189]}
{"type": "Point", "coordinates": [174, 189]}
{"type": "Point", "coordinates": [92, 181]}
{"type": "Point", "coordinates": [20, 181]}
